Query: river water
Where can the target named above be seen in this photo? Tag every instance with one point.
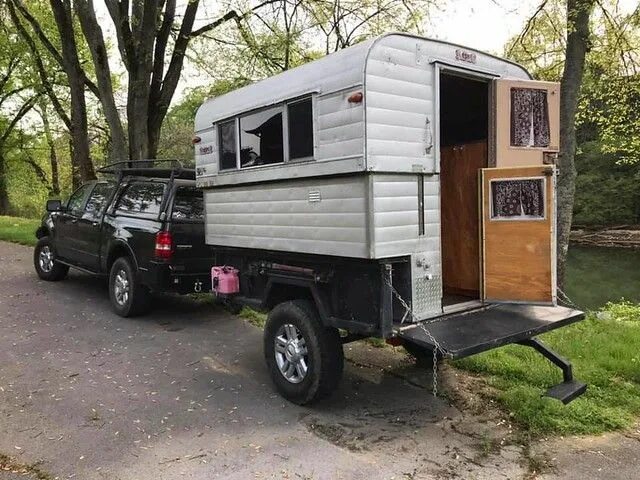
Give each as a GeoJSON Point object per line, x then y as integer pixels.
{"type": "Point", "coordinates": [596, 275]}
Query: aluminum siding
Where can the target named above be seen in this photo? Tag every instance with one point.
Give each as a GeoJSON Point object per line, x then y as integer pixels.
{"type": "Point", "coordinates": [286, 216]}
{"type": "Point", "coordinates": [399, 108]}
{"type": "Point", "coordinates": [395, 215]}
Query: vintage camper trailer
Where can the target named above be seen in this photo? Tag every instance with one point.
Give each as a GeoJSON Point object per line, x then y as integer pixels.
{"type": "Point", "coordinates": [402, 188]}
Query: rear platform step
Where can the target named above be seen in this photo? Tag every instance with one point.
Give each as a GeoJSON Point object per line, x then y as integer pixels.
{"type": "Point", "coordinates": [464, 334]}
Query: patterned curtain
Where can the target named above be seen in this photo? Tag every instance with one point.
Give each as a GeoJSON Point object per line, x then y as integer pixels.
{"type": "Point", "coordinates": [529, 118]}
{"type": "Point", "coordinates": [517, 198]}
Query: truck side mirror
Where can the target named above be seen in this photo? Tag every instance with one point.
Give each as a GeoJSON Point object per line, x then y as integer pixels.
{"type": "Point", "coordinates": [54, 205]}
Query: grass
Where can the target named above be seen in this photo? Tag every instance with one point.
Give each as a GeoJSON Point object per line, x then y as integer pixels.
{"type": "Point", "coordinates": [257, 319]}
{"type": "Point", "coordinates": [605, 352]}
{"type": "Point", "coordinates": [19, 230]}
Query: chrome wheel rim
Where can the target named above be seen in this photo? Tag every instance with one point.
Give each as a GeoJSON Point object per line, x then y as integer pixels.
{"type": "Point", "coordinates": [291, 353]}
{"type": "Point", "coordinates": [121, 287]}
{"type": "Point", "coordinates": [45, 259]}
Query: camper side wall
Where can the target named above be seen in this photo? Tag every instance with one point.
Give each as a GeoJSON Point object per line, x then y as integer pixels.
{"type": "Point", "coordinates": [323, 216]}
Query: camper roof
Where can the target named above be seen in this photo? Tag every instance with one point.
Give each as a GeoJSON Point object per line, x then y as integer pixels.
{"type": "Point", "coordinates": [344, 69]}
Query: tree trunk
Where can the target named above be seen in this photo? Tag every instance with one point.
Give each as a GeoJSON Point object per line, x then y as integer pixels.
{"type": "Point", "coordinates": [81, 153]}
{"type": "Point", "coordinates": [95, 40]}
{"type": "Point", "coordinates": [578, 14]}
{"type": "Point", "coordinates": [4, 194]}
{"type": "Point", "coordinates": [53, 157]}
{"type": "Point", "coordinates": [76, 179]}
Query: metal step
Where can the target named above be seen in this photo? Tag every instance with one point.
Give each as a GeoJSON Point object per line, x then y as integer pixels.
{"type": "Point", "coordinates": [567, 391]}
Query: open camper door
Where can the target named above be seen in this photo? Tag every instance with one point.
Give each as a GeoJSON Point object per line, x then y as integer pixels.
{"type": "Point", "coordinates": [518, 234]}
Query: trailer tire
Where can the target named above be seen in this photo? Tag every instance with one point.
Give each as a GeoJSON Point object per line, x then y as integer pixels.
{"type": "Point", "coordinates": [44, 262]}
{"type": "Point", "coordinates": [299, 333]}
{"type": "Point", "coordinates": [127, 294]}
{"type": "Point", "coordinates": [422, 356]}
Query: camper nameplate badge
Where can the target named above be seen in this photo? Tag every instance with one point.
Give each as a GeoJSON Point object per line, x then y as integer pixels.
{"type": "Point", "coordinates": [465, 56]}
{"type": "Point", "coordinates": [206, 150]}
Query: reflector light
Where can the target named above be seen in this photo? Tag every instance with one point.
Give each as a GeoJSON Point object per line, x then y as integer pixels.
{"type": "Point", "coordinates": [355, 97]}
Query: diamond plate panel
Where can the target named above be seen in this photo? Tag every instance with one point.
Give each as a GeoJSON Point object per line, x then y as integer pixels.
{"type": "Point", "coordinates": [426, 281]}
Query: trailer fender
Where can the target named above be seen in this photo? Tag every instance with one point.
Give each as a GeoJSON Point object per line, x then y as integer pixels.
{"type": "Point", "coordinates": [283, 289]}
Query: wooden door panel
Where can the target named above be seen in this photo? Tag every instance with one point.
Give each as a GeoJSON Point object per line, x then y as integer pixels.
{"type": "Point", "coordinates": [518, 252]}
{"type": "Point", "coordinates": [459, 166]}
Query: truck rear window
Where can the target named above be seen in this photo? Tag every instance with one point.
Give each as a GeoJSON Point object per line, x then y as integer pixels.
{"type": "Point", "coordinates": [141, 198]}
{"type": "Point", "coordinates": [188, 204]}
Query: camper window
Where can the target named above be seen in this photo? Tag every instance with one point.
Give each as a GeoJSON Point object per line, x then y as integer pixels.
{"type": "Point", "coordinates": [300, 124]}
{"type": "Point", "coordinates": [261, 138]}
{"type": "Point", "coordinates": [227, 147]}
{"type": "Point", "coordinates": [529, 118]}
{"type": "Point", "coordinates": [518, 199]}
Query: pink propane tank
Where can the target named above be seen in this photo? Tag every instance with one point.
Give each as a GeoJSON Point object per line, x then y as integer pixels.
{"type": "Point", "coordinates": [224, 280]}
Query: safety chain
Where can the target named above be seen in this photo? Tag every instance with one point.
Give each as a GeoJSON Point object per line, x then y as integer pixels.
{"type": "Point", "coordinates": [437, 348]}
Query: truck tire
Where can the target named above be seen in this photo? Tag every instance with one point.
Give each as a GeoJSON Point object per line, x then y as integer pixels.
{"type": "Point", "coordinates": [44, 262]}
{"type": "Point", "coordinates": [128, 296]}
{"type": "Point", "coordinates": [305, 358]}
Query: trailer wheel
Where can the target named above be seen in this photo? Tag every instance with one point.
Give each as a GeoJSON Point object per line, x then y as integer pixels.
{"type": "Point", "coordinates": [422, 356]}
{"type": "Point", "coordinates": [305, 358]}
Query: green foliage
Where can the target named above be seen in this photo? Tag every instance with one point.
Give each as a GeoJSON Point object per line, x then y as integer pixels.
{"type": "Point", "coordinates": [18, 230]}
{"type": "Point", "coordinates": [178, 127]}
{"type": "Point", "coordinates": [605, 351]}
{"type": "Point", "coordinates": [257, 319]}
{"type": "Point", "coordinates": [606, 190]}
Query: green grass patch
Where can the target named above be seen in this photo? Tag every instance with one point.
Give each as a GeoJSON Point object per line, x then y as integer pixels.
{"type": "Point", "coordinates": [255, 318]}
{"type": "Point", "coordinates": [605, 352]}
{"type": "Point", "coordinates": [19, 230]}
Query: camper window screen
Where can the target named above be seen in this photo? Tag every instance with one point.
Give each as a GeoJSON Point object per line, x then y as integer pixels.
{"type": "Point", "coordinates": [517, 199]}
{"type": "Point", "coordinates": [227, 134]}
{"type": "Point", "coordinates": [261, 138]}
{"type": "Point", "coordinates": [529, 118]}
{"type": "Point", "coordinates": [300, 120]}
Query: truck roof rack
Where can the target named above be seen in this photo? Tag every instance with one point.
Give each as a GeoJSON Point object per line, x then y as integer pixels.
{"type": "Point", "coordinates": [149, 168]}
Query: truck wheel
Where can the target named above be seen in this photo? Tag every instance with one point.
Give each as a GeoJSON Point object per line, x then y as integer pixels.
{"type": "Point", "coordinates": [304, 357]}
{"type": "Point", "coordinates": [44, 262]}
{"type": "Point", "coordinates": [422, 356]}
{"type": "Point", "coordinates": [128, 296]}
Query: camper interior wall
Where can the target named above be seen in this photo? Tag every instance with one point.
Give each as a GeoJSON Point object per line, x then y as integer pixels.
{"type": "Point", "coordinates": [464, 133]}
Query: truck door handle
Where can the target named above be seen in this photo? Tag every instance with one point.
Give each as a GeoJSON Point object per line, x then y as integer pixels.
{"type": "Point", "coordinates": [74, 220]}
{"type": "Point", "coordinates": [95, 224]}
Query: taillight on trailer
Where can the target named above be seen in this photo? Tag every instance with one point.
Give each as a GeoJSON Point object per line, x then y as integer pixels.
{"type": "Point", "coordinates": [164, 245]}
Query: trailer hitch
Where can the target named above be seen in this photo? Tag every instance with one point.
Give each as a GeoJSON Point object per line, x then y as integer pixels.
{"type": "Point", "coordinates": [569, 389]}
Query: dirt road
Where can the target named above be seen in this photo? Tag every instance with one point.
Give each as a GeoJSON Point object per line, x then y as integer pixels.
{"type": "Point", "coordinates": [183, 393]}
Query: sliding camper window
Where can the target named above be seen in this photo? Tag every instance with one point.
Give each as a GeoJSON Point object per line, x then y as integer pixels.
{"type": "Point", "coordinates": [261, 140]}
{"type": "Point", "coordinates": [529, 118]}
{"type": "Point", "coordinates": [300, 123]}
{"type": "Point", "coordinates": [227, 147]}
{"type": "Point", "coordinates": [518, 199]}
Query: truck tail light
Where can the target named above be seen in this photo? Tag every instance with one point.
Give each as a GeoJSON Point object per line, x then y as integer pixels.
{"type": "Point", "coordinates": [164, 245]}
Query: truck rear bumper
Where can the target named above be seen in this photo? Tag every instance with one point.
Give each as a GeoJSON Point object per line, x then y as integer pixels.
{"type": "Point", "coordinates": [162, 277]}
{"type": "Point", "coordinates": [464, 334]}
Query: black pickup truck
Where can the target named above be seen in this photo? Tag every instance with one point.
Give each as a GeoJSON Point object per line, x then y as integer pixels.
{"type": "Point", "coordinates": [142, 227]}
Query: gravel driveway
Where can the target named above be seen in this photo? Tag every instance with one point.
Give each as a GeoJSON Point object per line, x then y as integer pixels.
{"type": "Point", "coordinates": [183, 393]}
